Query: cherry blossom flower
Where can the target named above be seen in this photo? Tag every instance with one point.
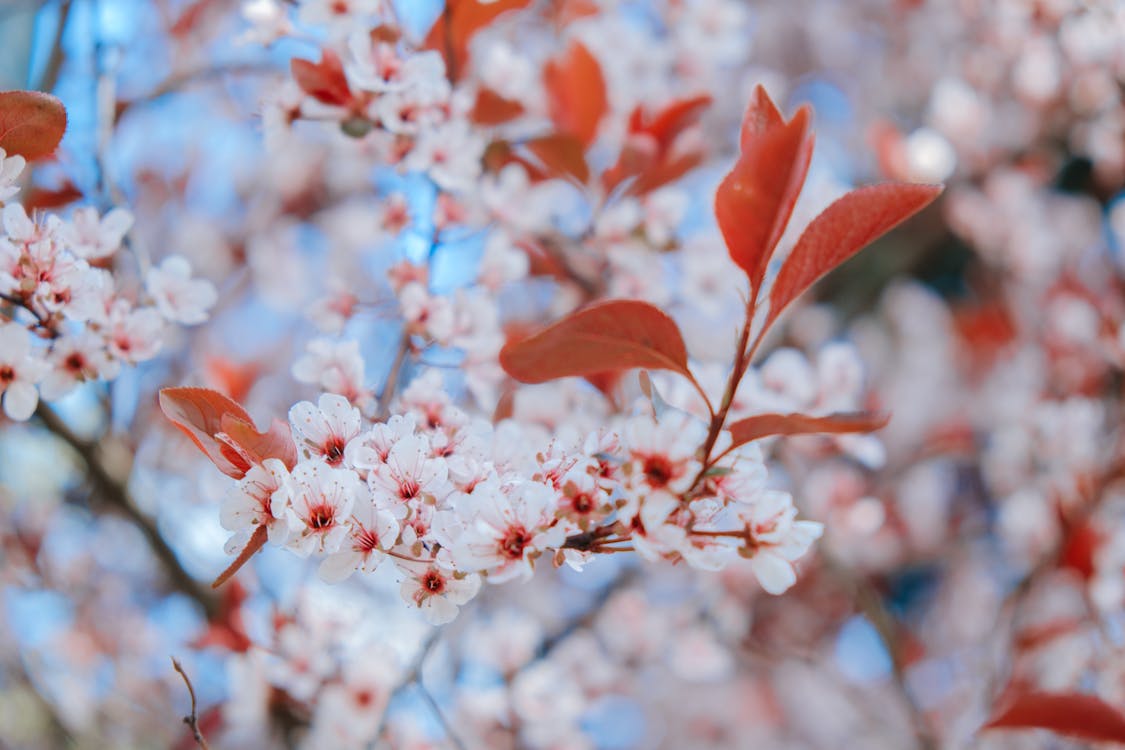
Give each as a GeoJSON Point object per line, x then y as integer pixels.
{"type": "Point", "coordinates": [436, 590]}
{"type": "Point", "coordinates": [179, 297]}
{"type": "Point", "coordinates": [776, 539]}
{"type": "Point", "coordinates": [260, 498]}
{"type": "Point", "coordinates": [10, 169]}
{"type": "Point", "coordinates": [335, 367]}
{"type": "Point", "coordinates": [90, 237]}
{"type": "Point", "coordinates": [506, 528]}
{"type": "Point", "coordinates": [20, 370]}
{"type": "Point", "coordinates": [322, 503]}
{"type": "Point", "coordinates": [325, 429]}
{"type": "Point", "coordinates": [409, 476]}
{"type": "Point", "coordinates": [373, 531]}
{"type": "Point", "coordinates": [74, 360]}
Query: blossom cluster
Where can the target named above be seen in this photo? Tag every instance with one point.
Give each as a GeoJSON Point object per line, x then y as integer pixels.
{"type": "Point", "coordinates": [64, 319]}
{"type": "Point", "coordinates": [452, 500]}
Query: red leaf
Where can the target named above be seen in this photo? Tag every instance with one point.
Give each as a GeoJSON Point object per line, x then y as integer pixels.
{"type": "Point", "coordinates": [224, 431]}
{"type": "Point", "coordinates": [576, 93]}
{"type": "Point", "coordinates": [563, 155]}
{"type": "Point", "coordinates": [648, 152]}
{"type": "Point", "coordinates": [613, 335]}
{"type": "Point", "coordinates": [670, 121]}
{"type": "Point", "coordinates": [324, 81]}
{"type": "Point", "coordinates": [46, 199]}
{"type": "Point", "coordinates": [257, 541]}
{"type": "Point", "coordinates": [31, 123]}
{"type": "Point", "coordinates": [1079, 550]}
{"type": "Point", "coordinates": [765, 425]}
{"type": "Point", "coordinates": [1079, 715]}
{"type": "Point", "coordinates": [492, 109]}
{"type": "Point", "coordinates": [754, 202]}
{"type": "Point", "coordinates": [841, 231]}
{"type": "Point", "coordinates": [277, 442]}
{"type": "Point", "coordinates": [762, 116]}
{"type": "Point", "coordinates": [465, 18]}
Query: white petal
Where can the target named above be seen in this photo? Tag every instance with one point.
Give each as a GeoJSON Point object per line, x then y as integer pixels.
{"type": "Point", "coordinates": [20, 400]}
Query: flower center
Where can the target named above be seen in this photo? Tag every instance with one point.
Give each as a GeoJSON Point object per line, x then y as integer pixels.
{"type": "Point", "coordinates": [659, 471]}
{"type": "Point", "coordinates": [322, 517]}
{"type": "Point", "coordinates": [514, 542]}
{"type": "Point", "coordinates": [433, 582]}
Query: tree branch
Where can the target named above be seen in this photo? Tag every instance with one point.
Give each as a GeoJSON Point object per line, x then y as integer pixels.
{"type": "Point", "coordinates": [191, 720]}
{"type": "Point", "coordinates": [114, 492]}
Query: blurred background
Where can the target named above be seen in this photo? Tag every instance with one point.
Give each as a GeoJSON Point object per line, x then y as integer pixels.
{"type": "Point", "coordinates": [973, 552]}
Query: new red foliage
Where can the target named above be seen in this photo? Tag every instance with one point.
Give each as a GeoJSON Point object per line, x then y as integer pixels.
{"type": "Point", "coordinates": [754, 202]}
{"type": "Point", "coordinates": [324, 81]}
{"type": "Point", "coordinates": [31, 123]}
{"type": "Point", "coordinates": [224, 431]}
{"type": "Point", "coordinates": [765, 425]}
{"type": "Point", "coordinates": [613, 335]}
{"type": "Point", "coordinates": [576, 93]}
{"type": "Point", "coordinates": [1079, 715]}
{"type": "Point", "coordinates": [841, 231]}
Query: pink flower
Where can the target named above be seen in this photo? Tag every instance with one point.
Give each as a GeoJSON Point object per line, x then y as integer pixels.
{"type": "Point", "coordinates": [372, 531]}
{"type": "Point", "coordinates": [10, 169]}
{"type": "Point", "coordinates": [90, 237]}
{"type": "Point", "coordinates": [334, 367]}
{"type": "Point", "coordinates": [325, 429]}
{"type": "Point", "coordinates": [409, 476]}
{"type": "Point", "coordinates": [322, 504]}
{"type": "Point", "coordinates": [260, 498]}
{"type": "Point", "coordinates": [505, 529]}
{"type": "Point", "coordinates": [776, 539]}
{"type": "Point", "coordinates": [20, 370]}
{"type": "Point", "coordinates": [74, 360]}
{"type": "Point", "coordinates": [178, 297]}
{"type": "Point", "coordinates": [437, 590]}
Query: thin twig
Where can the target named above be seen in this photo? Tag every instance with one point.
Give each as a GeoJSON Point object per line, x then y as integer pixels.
{"type": "Point", "coordinates": [445, 725]}
{"type": "Point", "coordinates": [870, 604]}
{"type": "Point", "coordinates": [54, 62]}
{"type": "Point", "coordinates": [383, 409]}
{"type": "Point", "coordinates": [191, 720]}
{"type": "Point", "coordinates": [117, 495]}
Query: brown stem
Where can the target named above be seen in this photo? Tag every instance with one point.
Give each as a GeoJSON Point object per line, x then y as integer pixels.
{"type": "Point", "coordinates": [870, 604]}
{"type": "Point", "coordinates": [450, 50]}
{"type": "Point", "coordinates": [54, 62]}
{"type": "Point", "coordinates": [191, 720]}
{"type": "Point", "coordinates": [383, 410]}
{"type": "Point", "coordinates": [114, 492]}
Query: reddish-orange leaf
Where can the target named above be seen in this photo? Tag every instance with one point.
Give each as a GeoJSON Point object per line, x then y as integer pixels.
{"type": "Point", "coordinates": [492, 109]}
{"type": "Point", "coordinates": [224, 431]}
{"type": "Point", "coordinates": [1039, 635]}
{"type": "Point", "coordinates": [754, 202]}
{"type": "Point", "coordinates": [244, 438]}
{"type": "Point", "coordinates": [563, 155]}
{"type": "Point", "coordinates": [613, 335]}
{"type": "Point", "coordinates": [453, 31]}
{"type": "Point", "coordinates": [1078, 715]}
{"type": "Point", "coordinates": [765, 425]}
{"type": "Point", "coordinates": [324, 81]}
{"type": "Point", "coordinates": [762, 116]}
{"type": "Point", "coordinates": [31, 123]}
{"type": "Point", "coordinates": [664, 172]}
{"type": "Point", "coordinates": [46, 199]}
{"type": "Point", "coordinates": [257, 541]}
{"type": "Point", "coordinates": [671, 120]}
{"type": "Point", "coordinates": [649, 152]}
{"type": "Point", "coordinates": [576, 93]}
{"type": "Point", "coordinates": [841, 231]}
{"type": "Point", "coordinates": [1080, 549]}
